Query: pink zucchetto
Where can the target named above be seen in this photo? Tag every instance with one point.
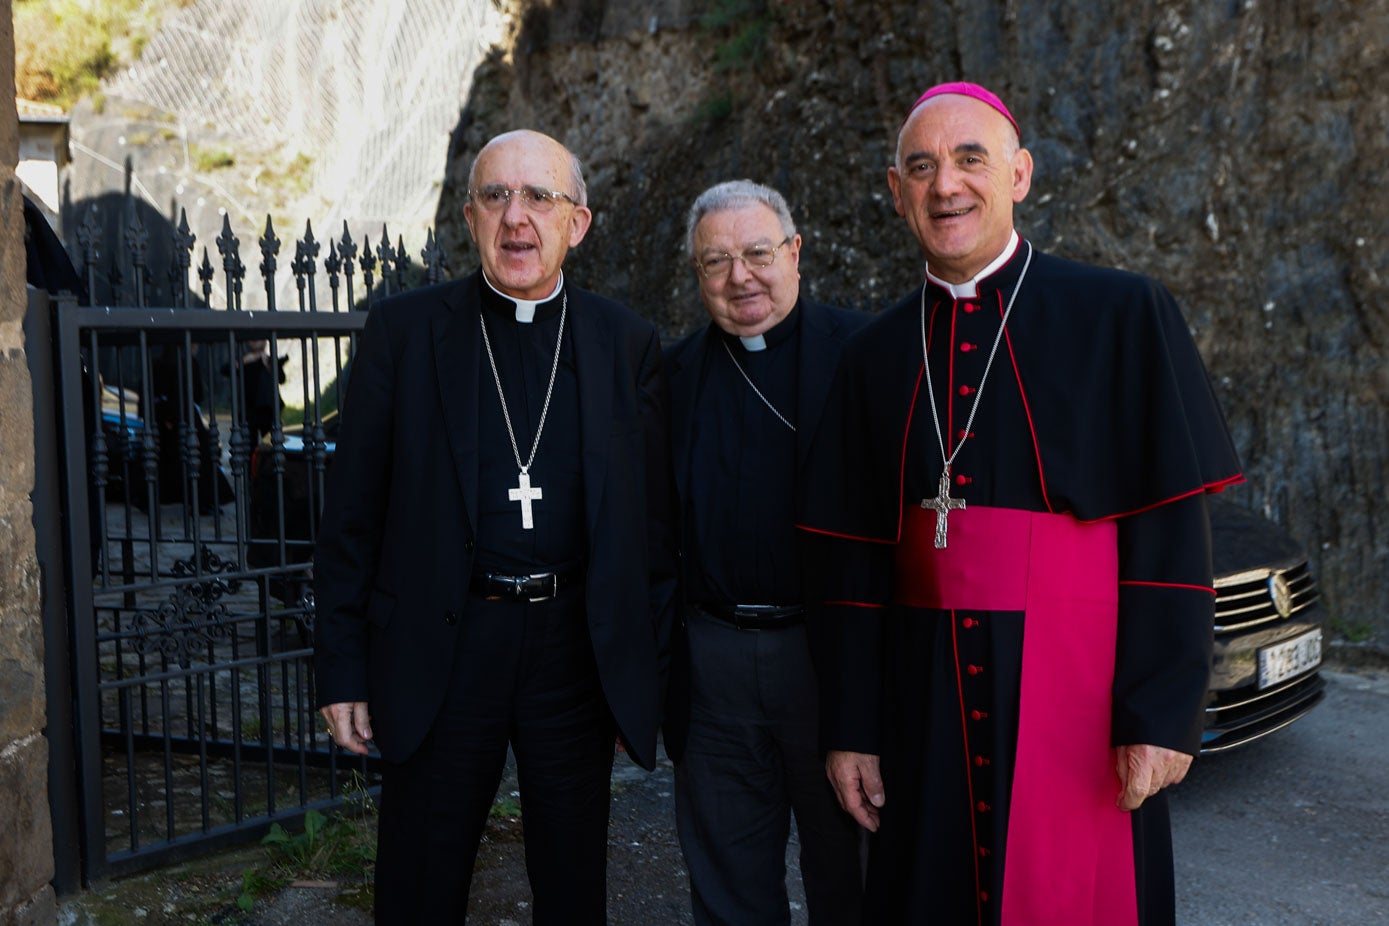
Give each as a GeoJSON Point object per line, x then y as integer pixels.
{"type": "Point", "coordinates": [962, 88]}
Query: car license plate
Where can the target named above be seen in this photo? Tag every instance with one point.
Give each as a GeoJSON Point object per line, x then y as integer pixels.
{"type": "Point", "coordinates": [1289, 658]}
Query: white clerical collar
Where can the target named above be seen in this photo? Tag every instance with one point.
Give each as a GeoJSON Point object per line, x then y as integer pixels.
{"type": "Point", "coordinates": [525, 308]}
{"type": "Point", "coordinates": [755, 343]}
{"type": "Point", "coordinates": [969, 289]}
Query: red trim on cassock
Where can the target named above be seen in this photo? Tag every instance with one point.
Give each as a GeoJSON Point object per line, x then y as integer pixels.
{"type": "Point", "coordinates": [1220, 486]}
{"type": "Point", "coordinates": [901, 478]}
{"type": "Point", "coordinates": [948, 439]}
{"type": "Point", "coordinates": [969, 779]}
{"type": "Point", "coordinates": [856, 604]}
{"type": "Point", "coordinates": [1069, 851]}
{"type": "Point", "coordinates": [1217, 486]}
{"type": "Point", "coordinates": [902, 466]}
{"type": "Point", "coordinates": [819, 530]}
{"type": "Point", "coordinates": [1031, 426]}
{"type": "Point", "coordinates": [1194, 588]}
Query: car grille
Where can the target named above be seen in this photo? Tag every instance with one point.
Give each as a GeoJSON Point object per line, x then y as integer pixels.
{"type": "Point", "coordinates": [1247, 600]}
{"type": "Point", "coordinates": [1233, 720]}
{"type": "Point", "coordinates": [1254, 609]}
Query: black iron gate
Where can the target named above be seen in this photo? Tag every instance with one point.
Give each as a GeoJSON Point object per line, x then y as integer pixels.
{"type": "Point", "coordinates": [190, 486]}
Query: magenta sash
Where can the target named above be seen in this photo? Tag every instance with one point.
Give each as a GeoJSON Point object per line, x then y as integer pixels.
{"type": "Point", "coordinates": [1069, 855]}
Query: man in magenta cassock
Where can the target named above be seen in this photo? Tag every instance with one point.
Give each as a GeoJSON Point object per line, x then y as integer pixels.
{"type": "Point", "coordinates": [1017, 634]}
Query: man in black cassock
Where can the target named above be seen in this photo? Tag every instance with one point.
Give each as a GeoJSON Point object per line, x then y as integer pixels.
{"type": "Point", "coordinates": [746, 393]}
{"type": "Point", "coordinates": [1015, 463]}
{"type": "Point", "coordinates": [495, 565]}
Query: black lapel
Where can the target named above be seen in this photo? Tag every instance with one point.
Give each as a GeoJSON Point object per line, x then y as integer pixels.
{"type": "Point", "coordinates": [819, 353]}
{"type": "Point", "coordinates": [457, 340]}
{"type": "Point", "coordinates": [685, 371]}
{"type": "Point", "coordinates": [593, 356]}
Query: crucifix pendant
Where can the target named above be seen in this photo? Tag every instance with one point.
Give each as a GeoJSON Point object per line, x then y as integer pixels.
{"type": "Point", "coordinates": [525, 494]}
{"type": "Point", "coordinates": [942, 504]}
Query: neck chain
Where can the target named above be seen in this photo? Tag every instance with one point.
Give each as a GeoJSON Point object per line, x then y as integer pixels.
{"type": "Point", "coordinates": [748, 380]}
{"type": "Point", "coordinates": [943, 504]}
{"type": "Point", "coordinates": [524, 492]}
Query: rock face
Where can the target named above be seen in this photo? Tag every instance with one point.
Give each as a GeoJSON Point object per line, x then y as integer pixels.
{"type": "Point", "coordinates": [1236, 151]}
{"type": "Point", "coordinates": [26, 843]}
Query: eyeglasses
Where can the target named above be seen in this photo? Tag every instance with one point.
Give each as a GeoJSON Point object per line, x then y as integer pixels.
{"type": "Point", "coordinates": [495, 198]}
{"type": "Point", "coordinates": [718, 266]}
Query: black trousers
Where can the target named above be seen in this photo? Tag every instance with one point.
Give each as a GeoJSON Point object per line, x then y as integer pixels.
{"type": "Point", "coordinates": [752, 760]}
{"type": "Point", "coordinates": [524, 675]}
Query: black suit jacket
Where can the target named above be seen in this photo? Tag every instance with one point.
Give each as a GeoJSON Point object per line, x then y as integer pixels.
{"type": "Point", "coordinates": [395, 553]}
{"type": "Point", "coordinates": [823, 331]}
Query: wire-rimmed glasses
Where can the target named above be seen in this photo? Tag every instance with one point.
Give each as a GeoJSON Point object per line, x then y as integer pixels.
{"type": "Point", "coordinates": [756, 257]}
{"type": "Point", "coordinates": [495, 197]}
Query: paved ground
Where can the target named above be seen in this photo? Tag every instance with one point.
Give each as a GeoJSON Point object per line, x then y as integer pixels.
{"type": "Point", "coordinates": [1291, 830]}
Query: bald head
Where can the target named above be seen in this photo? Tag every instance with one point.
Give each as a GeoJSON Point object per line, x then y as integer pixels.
{"type": "Point", "coordinates": [526, 138]}
{"type": "Point", "coordinates": [982, 109]}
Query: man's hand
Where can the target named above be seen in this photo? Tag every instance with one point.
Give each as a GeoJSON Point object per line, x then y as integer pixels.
{"type": "Point", "coordinates": [1146, 770]}
{"type": "Point", "coordinates": [349, 725]}
{"type": "Point", "coordinates": [858, 785]}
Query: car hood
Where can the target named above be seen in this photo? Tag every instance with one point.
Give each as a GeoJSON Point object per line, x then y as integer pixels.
{"type": "Point", "coordinates": [1242, 539]}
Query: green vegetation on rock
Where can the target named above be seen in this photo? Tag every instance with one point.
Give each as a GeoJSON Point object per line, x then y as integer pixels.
{"type": "Point", "coordinates": [63, 48]}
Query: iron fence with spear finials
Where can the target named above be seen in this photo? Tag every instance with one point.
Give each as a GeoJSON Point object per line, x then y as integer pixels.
{"type": "Point", "coordinates": [193, 444]}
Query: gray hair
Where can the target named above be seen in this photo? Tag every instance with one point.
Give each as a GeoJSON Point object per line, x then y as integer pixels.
{"type": "Point", "coordinates": [576, 176]}
{"type": "Point", "coordinates": [576, 170]}
{"type": "Point", "coordinates": [737, 194]}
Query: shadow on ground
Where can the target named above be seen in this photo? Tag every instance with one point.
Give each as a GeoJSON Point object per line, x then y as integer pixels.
{"type": "Point", "coordinates": [647, 882]}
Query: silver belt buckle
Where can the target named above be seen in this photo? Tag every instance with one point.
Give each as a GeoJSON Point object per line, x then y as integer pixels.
{"type": "Point", "coordinates": [743, 613]}
{"type": "Point", "coordinates": [554, 585]}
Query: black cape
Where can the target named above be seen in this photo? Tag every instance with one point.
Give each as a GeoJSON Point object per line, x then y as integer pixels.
{"type": "Point", "coordinates": [1130, 422]}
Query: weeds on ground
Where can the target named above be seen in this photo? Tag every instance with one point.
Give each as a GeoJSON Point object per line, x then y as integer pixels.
{"type": "Point", "coordinates": [504, 820]}
{"type": "Point", "coordinates": [506, 809]}
{"type": "Point", "coordinates": [339, 846]}
{"type": "Point", "coordinates": [1353, 631]}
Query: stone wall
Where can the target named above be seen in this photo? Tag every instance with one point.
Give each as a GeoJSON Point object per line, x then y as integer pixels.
{"type": "Point", "coordinates": [26, 852]}
{"type": "Point", "coordinates": [1234, 150]}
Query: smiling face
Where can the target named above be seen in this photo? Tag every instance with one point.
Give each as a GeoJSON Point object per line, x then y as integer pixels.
{"type": "Point", "coordinates": [747, 301]}
{"type": "Point", "coordinates": [959, 171]}
{"type": "Point", "coordinates": [521, 250]}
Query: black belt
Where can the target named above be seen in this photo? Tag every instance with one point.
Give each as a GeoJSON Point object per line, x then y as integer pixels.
{"type": "Point", "coordinates": [539, 586]}
{"type": "Point", "coordinates": [757, 616]}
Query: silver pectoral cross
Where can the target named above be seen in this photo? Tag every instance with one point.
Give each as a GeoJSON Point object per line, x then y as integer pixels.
{"type": "Point", "coordinates": [525, 494]}
{"type": "Point", "coordinates": [942, 504]}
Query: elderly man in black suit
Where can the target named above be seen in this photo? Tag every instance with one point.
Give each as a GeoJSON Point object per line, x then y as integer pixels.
{"type": "Point", "coordinates": [746, 393]}
{"type": "Point", "coordinates": [495, 565]}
